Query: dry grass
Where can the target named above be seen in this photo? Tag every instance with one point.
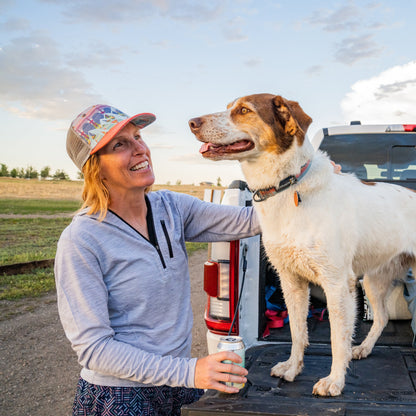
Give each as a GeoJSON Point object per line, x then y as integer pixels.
{"type": "Point", "coordinates": [71, 190]}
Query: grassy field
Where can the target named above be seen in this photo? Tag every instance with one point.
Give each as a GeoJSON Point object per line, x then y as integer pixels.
{"type": "Point", "coordinates": [27, 235]}
{"type": "Point", "coordinates": [29, 239]}
{"type": "Point", "coordinates": [21, 206]}
{"type": "Point", "coordinates": [13, 188]}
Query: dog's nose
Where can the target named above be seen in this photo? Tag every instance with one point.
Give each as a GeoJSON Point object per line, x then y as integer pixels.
{"type": "Point", "coordinates": [195, 124]}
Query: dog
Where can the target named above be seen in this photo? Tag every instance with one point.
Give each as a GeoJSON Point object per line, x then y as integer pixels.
{"type": "Point", "coordinates": [318, 226]}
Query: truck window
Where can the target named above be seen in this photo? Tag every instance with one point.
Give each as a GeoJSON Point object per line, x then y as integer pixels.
{"type": "Point", "coordinates": [403, 162]}
{"type": "Point", "coordinates": [372, 157]}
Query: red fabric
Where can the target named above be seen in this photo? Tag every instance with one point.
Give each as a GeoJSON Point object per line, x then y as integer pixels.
{"type": "Point", "coordinates": [275, 319]}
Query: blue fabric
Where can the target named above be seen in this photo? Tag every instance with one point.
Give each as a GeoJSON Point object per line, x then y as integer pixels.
{"type": "Point", "coordinates": [270, 290]}
{"type": "Point", "coordinates": [410, 296]}
{"type": "Point", "coordinates": [94, 400]}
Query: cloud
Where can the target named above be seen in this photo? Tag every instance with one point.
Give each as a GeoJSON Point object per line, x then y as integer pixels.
{"type": "Point", "coordinates": [253, 62]}
{"type": "Point", "coordinates": [385, 98]}
{"type": "Point", "coordinates": [351, 50]}
{"type": "Point", "coordinates": [14, 25]}
{"type": "Point", "coordinates": [314, 69]}
{"type": "Point", "coordinates": [119, 11]}
{"type": "Point", "coordinates": [233, 30]}
{"type": "Point", "coordinates": [35, 82]}
{"type": "Point", "coordinates": [191, 11]}
{"type": "Point", "coordinates": [95, 55]}
{"type": "Point", "coordinates": [105, 12]}
{"type": "Point", "coordinates": [357, 22]}
{"type": "Point", "coordinates": [345, 18]}
{"type": "Point", "coordinates": [5, 4]}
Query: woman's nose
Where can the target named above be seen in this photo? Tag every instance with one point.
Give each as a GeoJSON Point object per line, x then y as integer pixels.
{"type": "Point", "coordinates": [139, 147]}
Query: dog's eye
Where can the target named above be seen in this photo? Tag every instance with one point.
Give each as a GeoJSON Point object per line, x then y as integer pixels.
{"type": "Point", "coordinates": [244, 110]}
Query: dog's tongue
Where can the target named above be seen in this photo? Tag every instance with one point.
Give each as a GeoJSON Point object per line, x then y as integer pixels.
{"type": "Point", "coordinates": [235, 147]}
{"type": "Point", "coordinates": [204, 148]}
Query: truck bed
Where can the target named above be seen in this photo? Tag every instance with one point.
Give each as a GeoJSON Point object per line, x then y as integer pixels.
{"type": "Point", "coordinates": [396, 333]}
{"type": "Point", "coordinates": [381, 385]}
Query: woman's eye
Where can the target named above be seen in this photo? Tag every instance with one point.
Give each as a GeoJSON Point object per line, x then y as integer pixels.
{"type": "Point", "coordinates": [244, 110]}
{"type": "Point", "coordinates": [116, 145]}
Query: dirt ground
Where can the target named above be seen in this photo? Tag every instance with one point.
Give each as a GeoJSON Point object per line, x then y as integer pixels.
{"type": "Point", "coordinates": [38, 369]}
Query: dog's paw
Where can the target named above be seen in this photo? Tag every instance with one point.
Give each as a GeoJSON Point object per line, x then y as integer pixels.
{"type": "Point", "coordinates": [328, 387]}
{"type": "Point", "coordinates": [286, 370]}
{"type": "Point", "coordinates": [359, 352]}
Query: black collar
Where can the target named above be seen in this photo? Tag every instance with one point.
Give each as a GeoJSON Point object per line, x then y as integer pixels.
{"type": "Point", "coordinates": [265, 193]}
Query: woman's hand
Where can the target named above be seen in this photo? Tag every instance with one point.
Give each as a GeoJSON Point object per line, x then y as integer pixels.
{"type": "Point", "coordinates": [210, 371]}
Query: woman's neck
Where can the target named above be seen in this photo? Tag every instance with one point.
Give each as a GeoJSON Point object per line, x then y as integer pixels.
{"type": "Point", "coordinates": [133, 210]}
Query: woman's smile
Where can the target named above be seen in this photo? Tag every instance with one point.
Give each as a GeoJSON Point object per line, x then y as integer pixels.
{"type": "Point", "coordinates": [140, 166]}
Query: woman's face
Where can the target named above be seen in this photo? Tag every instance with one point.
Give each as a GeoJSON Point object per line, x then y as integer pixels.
{"type": "Point", "coordinates": [125, 162]}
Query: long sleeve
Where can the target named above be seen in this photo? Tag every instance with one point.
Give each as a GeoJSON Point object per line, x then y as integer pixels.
{"type": "Point", "coordinates": [209, 222]}
{"type": "Point", "coordinates": [83, 306]}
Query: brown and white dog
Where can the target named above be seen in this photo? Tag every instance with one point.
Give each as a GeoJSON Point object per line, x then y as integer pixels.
{"type": "Point", "coordinates": [318, 226]}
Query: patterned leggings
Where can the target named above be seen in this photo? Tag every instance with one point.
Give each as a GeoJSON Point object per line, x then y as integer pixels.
{"type": "Point", "coordinates": [93, 400]}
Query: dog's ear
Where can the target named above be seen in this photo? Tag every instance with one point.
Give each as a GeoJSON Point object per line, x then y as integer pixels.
{"type": "Point", "coordinates": [291, 115]}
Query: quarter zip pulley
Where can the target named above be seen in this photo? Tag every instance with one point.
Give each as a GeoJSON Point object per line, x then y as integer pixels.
{"type": "Point", "coordinates": [152, 232]}
{"type": "Point", "coordinates": [165, 231]}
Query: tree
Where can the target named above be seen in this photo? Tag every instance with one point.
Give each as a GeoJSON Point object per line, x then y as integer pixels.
{"type": "Point", "coordinates": [178, 182]}
{"type": "Point", "coordinates": [60, 175]}
{"type": "Point", "coordinates": [31, 173]}
{"type": "Point", "coordinates": [13, 173]}
{"type": "Point", "coordinates": [218, 181]}
{"type": "Point", "coordinates": [3, 170]}
{"type": "Point", "coordinates": [80, 175]}
{"type": "Point", "coordinates": [45, 172]}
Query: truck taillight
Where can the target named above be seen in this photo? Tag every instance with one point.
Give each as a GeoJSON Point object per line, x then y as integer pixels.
{"type": "Point", "coordinates": [401, 127]}
{"type": "Point", "coordinates": [221, 286]}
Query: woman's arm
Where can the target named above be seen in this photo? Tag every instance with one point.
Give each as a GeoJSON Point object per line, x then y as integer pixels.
{"type": "Point", "coordinates": [208, 222]}
{"type": "Point", "coordinates": [83, 309]}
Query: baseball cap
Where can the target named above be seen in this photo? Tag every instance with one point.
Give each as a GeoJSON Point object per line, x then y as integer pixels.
{"type": "Point", "coordinates": [95, 127]}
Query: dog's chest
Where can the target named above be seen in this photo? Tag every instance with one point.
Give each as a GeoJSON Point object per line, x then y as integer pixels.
{"type": "Point", "coordinates": [290, 243]}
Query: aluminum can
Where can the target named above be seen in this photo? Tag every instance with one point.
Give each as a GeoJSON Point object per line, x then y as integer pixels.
{"type": "Point", "coordinates": [236, 345]}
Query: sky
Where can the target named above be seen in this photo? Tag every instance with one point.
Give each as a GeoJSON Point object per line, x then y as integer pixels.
{"type": "Point", "coordinates": [341, 60]}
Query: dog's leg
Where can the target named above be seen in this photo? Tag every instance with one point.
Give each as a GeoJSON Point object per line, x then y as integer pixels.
{"type": "Point", "coordinates": [341, 306]}
{"type": "Point", "coordinates": [296, 294]}
{"type": "Point", "coordinates": [377, 287]}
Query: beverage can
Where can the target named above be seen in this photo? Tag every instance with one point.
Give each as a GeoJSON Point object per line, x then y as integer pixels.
{"type": "Point", "coordinates": [236, 345]}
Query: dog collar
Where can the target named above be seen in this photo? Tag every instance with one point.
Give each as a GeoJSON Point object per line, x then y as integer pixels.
{"type": "Point", "coordinates": [265, 193]}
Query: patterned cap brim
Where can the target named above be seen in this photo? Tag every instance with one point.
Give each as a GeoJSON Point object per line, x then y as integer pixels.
{"type": "Point", "coordinates": [140, 120]}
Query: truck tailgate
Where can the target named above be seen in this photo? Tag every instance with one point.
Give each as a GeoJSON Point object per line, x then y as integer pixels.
{"type": "Point", "coordinates": [381, 385]}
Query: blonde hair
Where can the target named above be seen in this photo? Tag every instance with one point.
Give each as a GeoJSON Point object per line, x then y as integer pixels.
{"type": "Point", "coordinates": [95, 194]}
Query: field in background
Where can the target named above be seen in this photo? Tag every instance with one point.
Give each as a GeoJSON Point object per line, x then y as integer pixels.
{"type": "Point", "coordinates": [26, 235]}
{"type": "Point", "coordinates": [71, 190]}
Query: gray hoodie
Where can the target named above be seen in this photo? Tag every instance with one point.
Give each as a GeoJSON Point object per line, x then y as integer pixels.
{"type": "Point", "coordinates": [124, 301]}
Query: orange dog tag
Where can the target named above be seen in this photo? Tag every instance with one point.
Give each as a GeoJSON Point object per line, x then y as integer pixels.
{"type": "Point", "coordinates": [296, 198]}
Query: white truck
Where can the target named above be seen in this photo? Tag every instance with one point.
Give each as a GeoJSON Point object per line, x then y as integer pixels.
{"type": "Point", "coordinates": [244, 298]}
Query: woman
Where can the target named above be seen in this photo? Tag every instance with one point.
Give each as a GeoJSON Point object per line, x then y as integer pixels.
{"type": "Point", "coordinates": [122, 275]}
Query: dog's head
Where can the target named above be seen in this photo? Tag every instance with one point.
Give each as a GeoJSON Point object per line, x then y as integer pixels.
{"type": "Point", "coordinates": [251, 125]}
